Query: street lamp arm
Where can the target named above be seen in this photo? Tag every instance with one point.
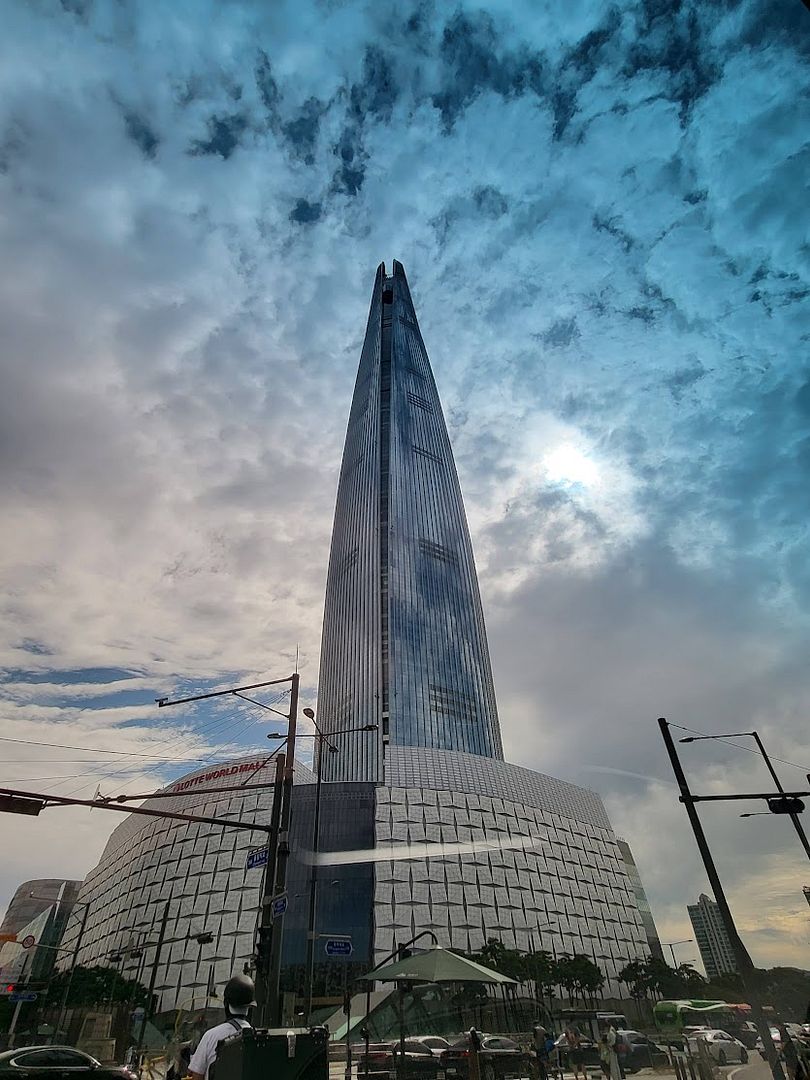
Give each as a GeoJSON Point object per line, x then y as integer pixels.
{"type": "Point", "coordinates": [164, 702]}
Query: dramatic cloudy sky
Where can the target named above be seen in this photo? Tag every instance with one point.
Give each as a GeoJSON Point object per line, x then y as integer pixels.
{"type": "Point", "coordinates": [602, 210]}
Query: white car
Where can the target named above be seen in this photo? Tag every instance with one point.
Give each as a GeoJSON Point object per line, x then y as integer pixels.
{"type": "Point", "coordinates": [435, 1043]}
{"type": "Point", "coordinates": [723, 1048]}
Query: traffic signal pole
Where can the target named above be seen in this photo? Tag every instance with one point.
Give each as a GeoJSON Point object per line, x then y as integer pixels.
{"type": "Point", "coordinates": [794, 817]}
{"type": "Point", "coordinates": [271, 1014]}
{"type": "Point", "coordinates": [745, 965]}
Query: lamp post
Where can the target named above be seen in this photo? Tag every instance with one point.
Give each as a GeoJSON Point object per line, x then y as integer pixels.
{"type": "Point", "coordinates": [320, 738]}
{"type": "Point", "coordinates": [671, 946]}
{"type": "Point", "coordinates": [793, 815]}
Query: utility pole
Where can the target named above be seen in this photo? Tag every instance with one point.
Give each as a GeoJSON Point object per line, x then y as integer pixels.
{"type": "Point", "coordinates": [265, 927]}
{"type": "Point", "coordinates": [745, 965]}
{"type": "Point", "coordinates": [153, 978]}
{"type": "Point", "coordinates": [272, 1010]}
{"type": "Point", "coordinates": [313, 882]}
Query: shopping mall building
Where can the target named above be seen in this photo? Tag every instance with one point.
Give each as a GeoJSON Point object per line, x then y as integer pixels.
{"type": "Point", "coordinates": [428, 827]}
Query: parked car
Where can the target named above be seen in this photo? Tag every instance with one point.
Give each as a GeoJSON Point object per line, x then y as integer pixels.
{"type": "Point", "coordinates": [420, 1061]}
{"type": "Point", "coordinates": [747, 1034]}
{"type": "Point", "coordinates": [499, 1056]}
{"type": "Point", "coordinates": [50, 1062]}
{"type": "Point", "coordinates": [590, 1052]}
{"type": "Point", "coordinates": [723, 1047]}
{"type": "Point", "coordinates": [637, 1051]}
{"type": "Point", "coordinates": [435, 1043]}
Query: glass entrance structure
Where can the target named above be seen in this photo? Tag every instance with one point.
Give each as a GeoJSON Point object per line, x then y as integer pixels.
{"type": "Point", "coordinates": [404, 644]}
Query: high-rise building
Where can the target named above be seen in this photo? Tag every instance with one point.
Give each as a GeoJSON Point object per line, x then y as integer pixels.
{"type": "Point", "coordinates": [33, 897]}
{"type": "Point", "coordinates": [404, 644]}
{"type": "Point", "coordinates": [711, 937]}
{"type": "Point", "coordinates": [642, 903]}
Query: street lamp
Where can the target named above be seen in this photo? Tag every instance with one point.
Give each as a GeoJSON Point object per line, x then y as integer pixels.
{"type": "Point", "coordinates": [784, 805]}
{"type": "Point", "coordinates": [671, 946]}
{"type": "Point", "coordinates": [320, 737]}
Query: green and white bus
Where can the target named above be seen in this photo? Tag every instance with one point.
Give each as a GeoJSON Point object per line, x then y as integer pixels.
{"type": "Point", "coordinates": [671, 1017]}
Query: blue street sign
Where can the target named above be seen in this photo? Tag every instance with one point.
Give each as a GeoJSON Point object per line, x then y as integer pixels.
{"type": "Point", "coordinates": [279, 905]}
{"type": "Point", "coordinates": [23, 995]}
{"type": "Point", "coordinates": [338, 947]}
{"type": "Point", "coordinates": [257, 857]}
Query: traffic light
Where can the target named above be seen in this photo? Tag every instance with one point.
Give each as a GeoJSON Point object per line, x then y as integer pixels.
{"type": "Point", "coordinates": [13, 804]}
{"type": "Point", "coordinates": [9, 988]}
{"type": "Point", "coordinates": [204, 939]}
{"type": "Point", "coordinates": [785, 804]}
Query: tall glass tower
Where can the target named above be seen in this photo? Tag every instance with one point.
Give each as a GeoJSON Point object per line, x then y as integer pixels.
{"type": "Point", "coordinates": [404, 644]}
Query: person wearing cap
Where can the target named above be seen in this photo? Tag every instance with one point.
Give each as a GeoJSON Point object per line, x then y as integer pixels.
{"type": "Point", "coordinates": [238, 997]}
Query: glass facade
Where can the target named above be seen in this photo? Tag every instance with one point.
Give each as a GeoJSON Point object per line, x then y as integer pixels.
{"type": "Point", "coordinates": [404, 644]}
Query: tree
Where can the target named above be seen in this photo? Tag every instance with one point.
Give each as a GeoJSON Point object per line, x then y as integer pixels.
{"type": "Point", "coordinates": [692, 981]}
{"type": "Point", "coordinates": [579, 975]}
{"type": "Point", "coordinates": [636, 976]}
{"type": "Point", "coordinates": [541, 968]}
{"type": "Point", "coordinates": [95, 986]}
{"type": "Point", "coordinates": [509, 962]}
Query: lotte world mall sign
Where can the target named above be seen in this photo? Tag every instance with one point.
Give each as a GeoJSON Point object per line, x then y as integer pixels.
{"type": "Point", "coordinates": [221, 773]}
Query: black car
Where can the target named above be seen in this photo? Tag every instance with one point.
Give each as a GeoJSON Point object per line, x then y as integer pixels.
{"type": "Point", "coordinates": [637, 1051]}
{"type": "Point", "coordinates": [57, 1063]}
{"type": "Point", "coordinates": [382, 1058]}
{"type": "Point", "coordinates": [498, 1057]}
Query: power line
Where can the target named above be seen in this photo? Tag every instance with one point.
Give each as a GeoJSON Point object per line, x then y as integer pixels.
{"type": "Point", "coordinates": [94, 750]}
{"type": "Point", "coordinates": [739, 746]}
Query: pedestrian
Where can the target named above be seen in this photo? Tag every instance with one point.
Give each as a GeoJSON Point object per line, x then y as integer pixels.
{"type": "Point", "coordinates": [543, 1047]}
{"type": "Point", "coordinates": [238, 997]}
{"type": "Point", "coordinates": [576, 1052]}
{"type": "Point", "coordinates": [607, 1052]}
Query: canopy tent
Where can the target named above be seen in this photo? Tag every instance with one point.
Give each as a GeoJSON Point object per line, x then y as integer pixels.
{"type": "Point", "coordinates": [437, 965]}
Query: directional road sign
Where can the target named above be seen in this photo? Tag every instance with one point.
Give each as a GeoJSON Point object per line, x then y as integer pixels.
{"type": "Point", "coordinates": [338, 947]}
{"type": "Point", "coordinates": [257, 857]}
{"type": "Point", "coordinates": [279, 905]}
{"type": "Point", "coordinates": [23, 995]}
{"type": "Point", "coordinates": [29, 941]}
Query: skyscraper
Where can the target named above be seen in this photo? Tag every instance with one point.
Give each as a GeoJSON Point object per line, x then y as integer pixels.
{"type": "Point", "coordinates": [423, 825]}
{"type": "Point", "coordinates": [711, 937]}
{"type": "Point", "coordinates": [404, 644]}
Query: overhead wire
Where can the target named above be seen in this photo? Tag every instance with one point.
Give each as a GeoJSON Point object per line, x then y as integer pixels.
{"type": "Point", "coordinates": [86, 749]}
{"type": "Point", "coordinates": [739, 746]}
{"type": "Point", "coordinates": [218, 724]}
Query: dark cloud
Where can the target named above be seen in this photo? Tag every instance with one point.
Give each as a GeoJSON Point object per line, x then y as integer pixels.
{"type": "Point", "coordinates": [224, 133]}
{"type": "Point", "coordinates": [142, 134]}
{"type": "Point", "coordinates": [305, 212]}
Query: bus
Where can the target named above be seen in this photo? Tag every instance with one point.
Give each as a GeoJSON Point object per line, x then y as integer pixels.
{"type": "Point", "coordinates": [671, 1017]}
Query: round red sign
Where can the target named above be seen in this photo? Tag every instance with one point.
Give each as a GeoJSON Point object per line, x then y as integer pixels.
{"type": "Point", "coordinates": [28, 941]}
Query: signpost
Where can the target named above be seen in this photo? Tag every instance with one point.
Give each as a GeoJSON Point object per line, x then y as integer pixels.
{"type": "Point", "coordinates": [23, 995]}
{"type": "Point", "coordinates": [279, 905]}
{"type": "Point", "coordinates": [338, 947]}
{"type": "Point", "coordinates": [256, 857]}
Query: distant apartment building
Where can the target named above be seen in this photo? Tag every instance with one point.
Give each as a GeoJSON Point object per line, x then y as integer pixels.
{"type": "Point", "coordinates": [653, 941]}
{"type": "Point", "coordinates": [39, 909]}
{"type": "Point", "coordinates": [711, 937]}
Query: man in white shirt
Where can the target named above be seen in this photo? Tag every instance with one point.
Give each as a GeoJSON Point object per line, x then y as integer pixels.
{"type": "Point", "coordinates": [238, 997]}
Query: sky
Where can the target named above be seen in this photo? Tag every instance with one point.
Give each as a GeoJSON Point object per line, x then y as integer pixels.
{"type": "Point", "coordinates": [602, 209]}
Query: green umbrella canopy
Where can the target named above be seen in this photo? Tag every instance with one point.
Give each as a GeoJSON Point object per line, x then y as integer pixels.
{"type": "Point", "coordinates": [437, 965]}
